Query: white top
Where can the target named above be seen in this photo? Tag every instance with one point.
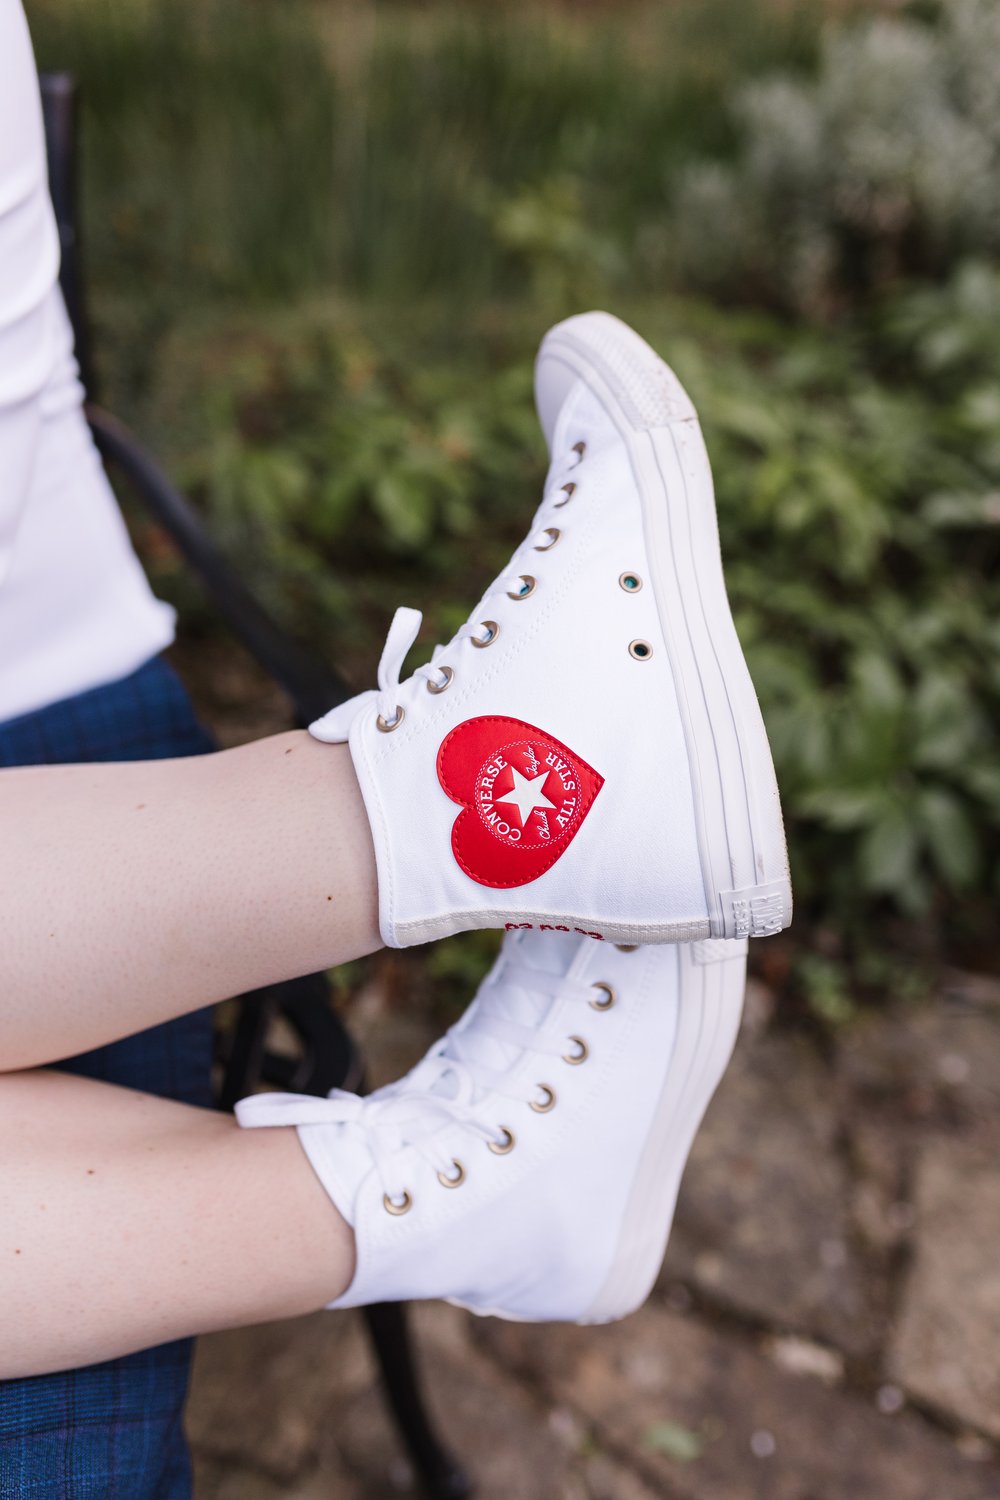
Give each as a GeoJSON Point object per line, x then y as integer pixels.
{"type": "Point", "coordinates": [75, 608]}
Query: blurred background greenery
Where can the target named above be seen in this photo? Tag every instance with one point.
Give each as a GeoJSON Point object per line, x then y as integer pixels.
{"type": "Point", "coordinates": [323, 241]}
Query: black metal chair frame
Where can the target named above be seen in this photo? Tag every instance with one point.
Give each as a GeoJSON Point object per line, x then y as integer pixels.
{"type": "Point", "coordinates": [329, 1057]}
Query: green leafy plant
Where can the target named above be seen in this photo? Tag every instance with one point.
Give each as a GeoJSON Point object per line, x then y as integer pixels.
{"type": "Point", "coordinates": [349, 464]}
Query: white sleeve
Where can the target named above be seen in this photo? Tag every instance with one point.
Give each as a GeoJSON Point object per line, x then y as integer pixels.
{"type": "Point", "coordinates": [29, 268]}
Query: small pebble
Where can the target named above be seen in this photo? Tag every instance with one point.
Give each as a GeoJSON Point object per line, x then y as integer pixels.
{"type": "Point", "coordinates": [565, 1425]}
{"type": "Point", "coordinates": [401, 1475]}
{"type": "Point", "coordinates": [889, 1400]}
{"type": "Point", "coordinates": [954, 1068]}
{"type": "Point", "coordinates": [762, 1444]}
{"type": "Point", "coordinates": [646, 1369]}
{"type": "Point", "coordinates": [975, 1448]}
{"type": "Point", "coordinates": [709, 1268]}
{"type": "Point", "coordinates": [901, 1216]}
{"type": "Point", "coordinates": [802, 1357]}
{"type": "Point", "coordinates": [678, 1298]}
{"type": "Point", "coordinates": [833, 1254]}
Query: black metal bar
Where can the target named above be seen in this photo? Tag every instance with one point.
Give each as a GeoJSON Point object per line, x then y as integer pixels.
{"type": "Point", "coordinates": [243, 1059]}
{"type": "Point", "coordinates": [312, 686]}
{"type": "Point", "coordinates": [59, 108]}
{"type": "Point", "coordinates": [440, 1476]}
{"type": "Point", "coordinates": [330, 1060]}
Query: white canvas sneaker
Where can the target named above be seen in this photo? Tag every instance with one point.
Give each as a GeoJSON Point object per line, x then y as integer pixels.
{"type": "Point", "coordinates": [529, 1165]}
{"type": "Point", "coordinates": [587, 753]}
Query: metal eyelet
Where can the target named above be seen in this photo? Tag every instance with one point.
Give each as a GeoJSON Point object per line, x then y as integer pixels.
{"type": "Point", "coordinates": [581, 449]}
{"type": "Point", "coordinates": [630, 582]}
{"type": "Point", "coordinates": [575, 1058]}
{"type": "Point", "coordinates": [441, 687]}
{"type": "Point", "coordinates": [457, 1177]}
{"type": "Point", "coordinates": [402, 1207]}
{"type": "Point", "coordinates": [494, 631]}
{"type": "Point", "coordinates": [505, 1144]}
{"type": "Point", "coordinates": [553, 533]}
{"type": "Point", "coordinates": [569, 490]}
{"type": "Point", "coordinates": [527, 588]}
{"type": "Point", "coordinates": [640, 650]}
{"type": "Point", "coordinates": [548, 1101]}
{"type": "Point", "coordinates": [610, 997]}
{"type": "Point", "coordinates": [388, 725]}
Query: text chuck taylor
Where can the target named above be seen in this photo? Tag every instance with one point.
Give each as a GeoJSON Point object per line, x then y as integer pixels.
{"type": "Point", "coordinates": [587, 753]}
{"type": "Point", "coordinates": [529, 1165]}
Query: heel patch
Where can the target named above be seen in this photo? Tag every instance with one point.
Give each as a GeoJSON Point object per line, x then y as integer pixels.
{"type": "Point", "coordinates": [756, 910]}
{"type": "Point", "coordinates": [718, 950]}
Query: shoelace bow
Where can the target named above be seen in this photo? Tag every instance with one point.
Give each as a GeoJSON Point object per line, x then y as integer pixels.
{"type": "Point", "coordinates": [406, 622]}
{"type": "Point", "coordinates": [412, 1114]}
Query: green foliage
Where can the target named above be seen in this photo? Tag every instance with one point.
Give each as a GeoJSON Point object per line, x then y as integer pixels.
{"type": "Point", "coordinates": [351, 461]}
{"type": "Point", "coordinates": [863, 567]}
{"type": "Point", "coordinates": [826, 989]}
{"type": "Point", "coordinates": [325, 241]}
{"type": "Point", "coordinates": [677, 1442]}
{"type": "Point", "coordinates": [887, 161]}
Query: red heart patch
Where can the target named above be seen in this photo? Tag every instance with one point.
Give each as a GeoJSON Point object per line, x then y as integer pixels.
{"type": "Point", "coordinates": [524, 796]}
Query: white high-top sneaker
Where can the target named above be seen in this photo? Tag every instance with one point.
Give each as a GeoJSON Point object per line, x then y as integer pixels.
{"type": "Point", "coordinates": [587, 753]}
{"type": "Point", "coordinates": [529, 1165]}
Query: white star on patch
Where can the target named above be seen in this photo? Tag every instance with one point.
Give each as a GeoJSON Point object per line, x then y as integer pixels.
{"type": "Point", "coordinates": [526, 794]}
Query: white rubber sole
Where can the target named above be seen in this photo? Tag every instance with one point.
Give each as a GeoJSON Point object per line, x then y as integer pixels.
{"type": "Point", "coordinates": [737, 812]}
{"type": "Point", "coordinates": [708, 1020]}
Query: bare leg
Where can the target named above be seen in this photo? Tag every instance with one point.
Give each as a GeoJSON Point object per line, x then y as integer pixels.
{"type": "Point", "coordinates": [130, 894]}
{"type": "Point", "coordinates": [127, 1220]}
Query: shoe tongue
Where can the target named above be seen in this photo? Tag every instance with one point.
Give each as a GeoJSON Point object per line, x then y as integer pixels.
{"type": "Point", "coordinates": [547, 953]}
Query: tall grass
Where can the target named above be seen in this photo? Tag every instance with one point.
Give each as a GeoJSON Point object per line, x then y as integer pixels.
{"type": "Point", "coordinates": [252, 149]}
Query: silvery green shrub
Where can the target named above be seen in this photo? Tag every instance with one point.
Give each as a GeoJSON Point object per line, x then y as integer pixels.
{"type": "Point", "coordinates": [886, 162]}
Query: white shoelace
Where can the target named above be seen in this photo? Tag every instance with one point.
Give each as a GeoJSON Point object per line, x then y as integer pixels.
{"type": "Point", "coordinates": [453, 1085]}
{"type": "Point", "coordinates": [391, 698]}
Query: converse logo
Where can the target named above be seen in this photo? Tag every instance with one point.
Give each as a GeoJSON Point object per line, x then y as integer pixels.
{"type": "Point", "coordinates": [524, 796]}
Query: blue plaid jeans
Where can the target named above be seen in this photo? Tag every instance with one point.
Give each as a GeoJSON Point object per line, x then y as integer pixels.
{"type": "Point", "coordinates": [112, 1431]}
